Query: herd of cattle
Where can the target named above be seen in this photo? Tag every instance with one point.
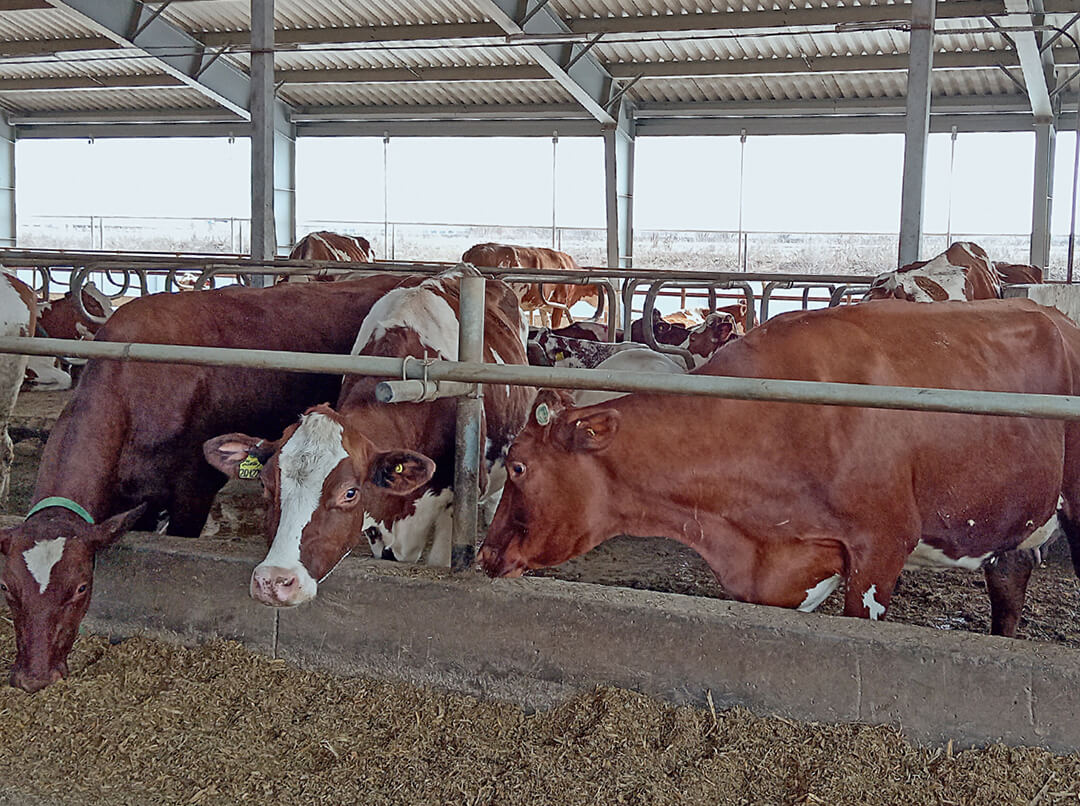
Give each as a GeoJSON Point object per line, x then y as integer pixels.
{"type": "Point", "coordinates": [784, 501]}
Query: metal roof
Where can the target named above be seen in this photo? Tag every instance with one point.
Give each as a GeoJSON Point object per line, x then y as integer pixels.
{"type": "Point", "coordinates": [373, 62]}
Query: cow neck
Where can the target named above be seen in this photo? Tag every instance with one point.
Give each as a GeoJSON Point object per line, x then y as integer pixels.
{"type": "Point", "coordinates": [81, 459]}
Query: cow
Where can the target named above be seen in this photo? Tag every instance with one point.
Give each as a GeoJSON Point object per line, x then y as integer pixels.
{"type": "Point", "coordinates": [59, 319]}
{"type": "Point", "coordinates": [962, 272]}
{"type": "Point", "coordinates": [551, 299]}
{"type": "Point", "coordinates": [1018, 273]}
{"type": "Point", "coordinates": [368, 469]}
{"type": "Point", "coordinates": [18, 317]}
{"type": "Point", "coordinates": [693, 317]}
{"type": "Point", "coordinates": [847, 494]}
{"type": "Point", "coordinates": [549, 350]}
{"type": "Point", "coordinates": [325, 245]}
{"type": "Point", "coordinates": [127, 450]}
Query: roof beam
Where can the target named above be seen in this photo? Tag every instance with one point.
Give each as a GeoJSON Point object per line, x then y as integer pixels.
{"type": "Point", "coordinates": [22, 5]}
{"type": "Point", "coordinates": [1031, 60]}
{"type": "Point", "coordinates": [179, 54]}
{"type": "Point", "coordinates": [807, 65]}
{"type": "Point", "coordinates": [35, 84]}
{"type": "Point", "coordinates": [583, 77]}
{"type": "Point", "coordinates": [44, 47]}
{"type": "Point", "coordinates": [944, 104]}
{"type": "Point", "coordinates": [641, 24]}
{"type": "Point", "coordinates": [437, 112]}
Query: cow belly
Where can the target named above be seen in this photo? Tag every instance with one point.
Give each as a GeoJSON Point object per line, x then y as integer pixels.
{"type": "Point", "coordinates": [927, 556]}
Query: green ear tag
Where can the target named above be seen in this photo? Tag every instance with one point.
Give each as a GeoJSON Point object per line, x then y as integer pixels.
{"type": "Point", "coordinates": [249, 468]}
{"type": "Point", "coordinates": [543, 414]}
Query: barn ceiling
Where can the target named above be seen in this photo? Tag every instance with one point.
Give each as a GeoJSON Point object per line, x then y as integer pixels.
{"type": "Point", "coordinates": [504, 66]}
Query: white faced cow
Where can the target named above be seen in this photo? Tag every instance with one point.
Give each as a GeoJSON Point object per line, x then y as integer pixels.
{"type": "Point", "coordinates": [374, 473]}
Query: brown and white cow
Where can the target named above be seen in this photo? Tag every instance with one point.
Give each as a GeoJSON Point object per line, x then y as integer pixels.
{"type": "Point", "coordinates": [533, 296]}
{"type": "Point", "coordinates": [18, 317]}
{"type": "Point", "coordinates": [547, 349]}
{"type": "Point", "coordinates": [847, 494]}
{"type": "Point", "coordinates": [60, 319]}
{"type": "Point", "coordinates": [962, 272]}
{"type": "Point", "coordinates": [127, 449]}
{"type": "Point", "coordinates": [375, 470]}
{"type": "Point", "coordinates": [326, 245]}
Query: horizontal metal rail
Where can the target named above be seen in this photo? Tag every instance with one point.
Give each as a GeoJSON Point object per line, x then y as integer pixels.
{"type": "Point", "coordinates": [1060, 407]}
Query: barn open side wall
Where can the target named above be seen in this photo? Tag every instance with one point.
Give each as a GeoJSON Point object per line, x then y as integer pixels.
{"type": "Point", "coordinates": [536, 641]}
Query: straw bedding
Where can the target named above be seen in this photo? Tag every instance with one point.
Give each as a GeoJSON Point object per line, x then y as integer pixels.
{"type": "Point", "coordinates": [145, 722]}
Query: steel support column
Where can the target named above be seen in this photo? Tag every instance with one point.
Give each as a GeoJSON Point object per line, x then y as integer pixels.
{"type": "Point", "coordinates": [263, 230]}
{"type": "Point", "coordinates": [470, 415]}
{"type": "Point", "coordinates": [7, 182]}
{"type": "Point", "coordinates": [917, 128]}
{"type": "Point", "coordinates": [1043, 200]}
{"type": "Point", "coordinates": [619, 192]}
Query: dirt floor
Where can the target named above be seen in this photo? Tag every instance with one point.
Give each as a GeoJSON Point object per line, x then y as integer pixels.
{"type": "Point", "coordinates": [945, 600]}
{"type": "Point", "coordinates": [144, 722]}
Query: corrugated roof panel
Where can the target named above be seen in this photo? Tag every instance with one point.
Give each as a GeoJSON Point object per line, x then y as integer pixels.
{"type": "Point", "coordinates": [234, 15]}
{"type": "Point", "coordinates": [88, 63]}
{"type": "Point", "coordinates": [106, 99]}
{"type": "Point", "coordinates": [49, 23]}
{"type": "Point", "coordinates": [381, 57]}
{"type": "Point", "coordinates": [885, 84]}
{"type": "Point", "coordinates": [412, 94]}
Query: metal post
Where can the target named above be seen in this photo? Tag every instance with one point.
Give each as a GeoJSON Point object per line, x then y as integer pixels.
{"type": "Point", "coordinates": [263, 230]}
{"type": "Point", "coordinates": [740, 256]}
{"type": "Point", "coordinates": [1043, 195]}
{"type": "Point", "coordinates": [554, 186]}
{"type": "Point", "coordinates": [952, 184]}
{"type": "Point", "coordinates": [470, 414]}
{"type": "Point", "coordinates": [7, 183]}
{"type": "Point", "coordinates": [917, 128]}
{"type": "Point", "coordinates": [388, 252]}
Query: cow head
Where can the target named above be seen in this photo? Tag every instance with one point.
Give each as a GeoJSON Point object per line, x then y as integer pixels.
{"type": "Point", "coordinates": [327, 486]}
{"type": "Point", "coordinates": [705, 339]}
{"type": "Point", "coordinates": [48, 579]}
{"type": "Point", "coordinates": [665, 332]}
{"type": "Point", "coordinates": [555, 503]}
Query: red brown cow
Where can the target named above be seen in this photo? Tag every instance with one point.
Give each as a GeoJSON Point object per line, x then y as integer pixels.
{"type": "Point", "coordinates": [562, 296]}
{"type": "Point", "coordinates": [325, 245]}
{"type": "Point", "coordinates": [1018, 273]}
{"type": "Point", "coordinates": [368, 468]}
{"type": "Point", "coordinates": [59, 319]}
{"type": "Point", "coordinates": [848, 494]}
{"type": "Point", "coordinates": [127, 450]}
{"type": "Point", "coordinates": [961, 272]}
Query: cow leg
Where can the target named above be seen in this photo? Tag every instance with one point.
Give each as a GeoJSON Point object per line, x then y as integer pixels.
{"type": "Point", "coordinates": [871, 578]}
{"type": "Point", "coordinates": [1071, 527]}
{"type": "Point", "coordinates": [556, 318]}
{"type": "Point", "coordinates": [193, 495]}
{"type": "Point", "coordinates": [1007, 576]}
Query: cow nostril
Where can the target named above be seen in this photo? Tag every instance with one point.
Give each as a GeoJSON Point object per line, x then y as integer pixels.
{"type": "Point", "coordinates": [287, 582]}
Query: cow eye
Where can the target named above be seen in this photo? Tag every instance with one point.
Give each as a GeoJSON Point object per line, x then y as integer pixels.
{"type": "Point", "coordinates": [350, 494]}
{"type": "Point", "coordinates": [3, 588]}
{"type": "Point", "coordinates": [82, 588]}
{"type": "Point", "coordinates": [517, 470]}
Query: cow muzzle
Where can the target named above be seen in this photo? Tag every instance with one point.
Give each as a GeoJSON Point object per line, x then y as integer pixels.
{"type": "Point", "coordinates": [32, 681]}
{"type": "Point", "coordinates": [498, 563]}
{"type": "Point", "coordinates": [281, 587]}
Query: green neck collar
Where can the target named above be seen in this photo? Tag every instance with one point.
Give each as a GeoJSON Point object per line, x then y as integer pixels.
{"type": "Point", "coordinates": [60, 501]}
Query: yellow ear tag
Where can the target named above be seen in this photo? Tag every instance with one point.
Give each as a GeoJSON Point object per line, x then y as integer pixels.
{"type": "Point", "coordinates": [399, 468]}
{"type": "Point", "coordinates": [249, 468]}
{"type": "Point", "coordinates": [543, 414]}
{"type": "Point", "coordinates": [559, 356]}
{"type": "Point", "coordinates": [590, 432]}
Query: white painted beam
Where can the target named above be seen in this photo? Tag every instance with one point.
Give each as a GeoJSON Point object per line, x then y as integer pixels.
{"type": "Point", "coordinates": [1031, 60]}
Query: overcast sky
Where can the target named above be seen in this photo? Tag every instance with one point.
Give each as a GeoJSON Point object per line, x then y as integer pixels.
{"type": "Point", "coordinates": [834, 183]}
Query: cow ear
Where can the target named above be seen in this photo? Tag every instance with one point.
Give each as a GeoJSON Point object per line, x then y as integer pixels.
{"type": "Point", "coordinates": [549, 404]}
{"type": "Point", "coordinates": [109, 531]}
{"type": "Point", "coordinates": [401, 472]}
{"type": "Point", "coordinates": [238, 455]}
{"type": "Point", "coordinates": [5, 539]}
{"type": "Point", "coordinates": [592, 432]}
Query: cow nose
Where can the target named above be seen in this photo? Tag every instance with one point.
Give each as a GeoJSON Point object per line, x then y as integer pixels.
{"type": "Point", "coordinates": [20, 678]}
{"type": "Point", "coordinates": [275, 586]}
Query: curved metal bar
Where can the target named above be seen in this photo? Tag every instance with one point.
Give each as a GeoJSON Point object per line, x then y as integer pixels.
{"type": "Point", "coordinates": [629, 287]}
{"type": "Point", "coordinates": [748, 295]}
{"type": "Point", "coordinates": [647, 327]}
{"type": "Point", "coordinates": [837, 295]}
{"type": "Point", "coordinates": [766, 294]}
